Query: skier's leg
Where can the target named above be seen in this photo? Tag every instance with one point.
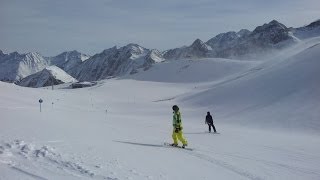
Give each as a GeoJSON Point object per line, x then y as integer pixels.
{"type": "Point", "coordinates": [209, 127]}
{"type": "Point", "coordinates": [174, 137]}
{"type": "Point", "coordinates": [214, 128]}
{"type": "Point", "coordinates": [181, 138]}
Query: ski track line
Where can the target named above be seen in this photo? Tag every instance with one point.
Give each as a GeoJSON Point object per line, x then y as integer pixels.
{"type": "Point", "coordinates": [223, 164]}
{"type": "Point", "coordinates": [27, 173]}
{"type": "Point", "coordinates": [23, 171]}
{"type": "Point", "coordinates": [294, 169]}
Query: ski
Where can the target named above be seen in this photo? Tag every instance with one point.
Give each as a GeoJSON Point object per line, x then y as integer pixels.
{"type": "Point", "coordinates": [179, 147]}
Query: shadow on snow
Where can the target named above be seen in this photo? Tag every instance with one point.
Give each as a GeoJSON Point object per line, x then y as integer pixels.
{"type": "Point", "coordinates": [139, 144]}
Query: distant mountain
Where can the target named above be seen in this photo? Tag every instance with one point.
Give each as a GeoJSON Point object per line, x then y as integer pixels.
{"type": "Point", "coordinates": [115, 62]}
{"type": "Point", "coordinates": [197, 49]}
{"type": "Point", "coordinates": [263, 39]}
{"type": "Point", "coordinates": [15, 66]}
{"type": "Point", "coordinates": [68, 60]}
{"type": "Point", "coordinates": [51, 75]}
{"type": "Point", "coordinates": [243, 44]}
{"type": "Point", "coordinates": [311, 30]}
{"type": "Point", "coordinates": [226, 40]}
{"type": "Point", "coordinates": [1, 55]}
{"type": "Point", "coordinates": [130, 59]}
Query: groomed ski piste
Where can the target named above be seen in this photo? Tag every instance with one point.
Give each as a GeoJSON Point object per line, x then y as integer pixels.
{"type": "Point", "coordinates": [267, 113]}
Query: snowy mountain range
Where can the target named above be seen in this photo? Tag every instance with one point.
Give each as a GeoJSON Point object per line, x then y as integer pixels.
{"type": "Point", "coordinates": [265, 38]}
{"type": "Point", "coordinates": [14, 66]}
{"type": "Point", "coordinates": [244, 44]}
{"type": "Point", "coordinates": [262, 40]}
{"type": "Point", "coordinates": [117, 61]}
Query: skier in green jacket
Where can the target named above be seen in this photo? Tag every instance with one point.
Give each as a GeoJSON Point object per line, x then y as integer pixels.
{"type": "Point", "coordinates": [177, 128]}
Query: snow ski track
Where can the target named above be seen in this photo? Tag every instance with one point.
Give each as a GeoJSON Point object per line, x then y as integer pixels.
{"type": "Point", "coordinates": [223, 164]}
{"type": "Point", "coordinates": [27, 173]}
{"type": "Point", "coordinates": [292, 169]}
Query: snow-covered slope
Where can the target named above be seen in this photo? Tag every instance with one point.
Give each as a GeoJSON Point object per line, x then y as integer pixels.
{"type": "Point", "coordinates": [193, 71]}
{"type": "Point", "coordinates": [68, 60]}
{"type": "Point", "coordinates": [15, 66]}
{"type": "Point", "coordinates": [116, 129]}
{"type": "Point", "coordinates": [282, 93]}
{"type": "Point", "coordinates": [115, 62]}
{"type": "Point", "coordinates": [51, 75]}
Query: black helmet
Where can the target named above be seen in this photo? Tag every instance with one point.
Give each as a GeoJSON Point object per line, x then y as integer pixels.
{"type": "Point", "coordinates": [175, 108]}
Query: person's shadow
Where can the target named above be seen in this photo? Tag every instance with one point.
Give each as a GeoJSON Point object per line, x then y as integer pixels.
{"type": "Point", "coordinates": [139, 144]}
{"type": "Point", "coordinates": [206, 132]}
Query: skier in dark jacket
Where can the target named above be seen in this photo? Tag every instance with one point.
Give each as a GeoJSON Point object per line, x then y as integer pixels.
{"type": "Point", "coordinates": [209, 121]}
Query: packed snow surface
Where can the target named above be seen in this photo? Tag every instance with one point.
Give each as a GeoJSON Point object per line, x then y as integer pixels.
{"type": "Point", "coordinates": [266, 113]}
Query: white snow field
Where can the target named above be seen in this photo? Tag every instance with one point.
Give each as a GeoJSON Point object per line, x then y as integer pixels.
{"type": "Point", "coordinates": [267, 114]}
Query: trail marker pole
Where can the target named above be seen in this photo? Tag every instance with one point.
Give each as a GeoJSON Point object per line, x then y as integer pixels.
{"type": "Point", "coordinates": [40, 101]}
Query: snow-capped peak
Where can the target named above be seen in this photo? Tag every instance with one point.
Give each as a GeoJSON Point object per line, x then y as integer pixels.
{"type": "Point", "coordinates": [134, 50]}
{"type": "Point", "coordinates": [107, 51]}
{"type": "Point", "coordinates": [116, 62]}
{"type": "Point", "coordinates": [15, 66]}
{"type": "Point", "coordinates": [271, 26]}
{"type": "Point", "coordinates": [196, 50]}
{"type": "Point", "coordinates": [51, 75]}
{"type": "Point", "coordinates": [58, 73]}
{"type": "Point", "coordinates": [311, 30]}
{"type": "Point", "coordinates": [243, 32]}
{"type": "Point", "coordinates": [198, 44]}
{"type": "Point", "coordinates": [68, 60]}
{"type": "Point", "coordinates": [70, 55]}
{"type": "Point", "coordinates": [33, 56]}
{"type": "Point", "coordinates": [155, 56]}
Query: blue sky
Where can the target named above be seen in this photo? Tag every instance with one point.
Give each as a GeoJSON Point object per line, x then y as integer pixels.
{"type": "Point", "coordinates": [90, 26]}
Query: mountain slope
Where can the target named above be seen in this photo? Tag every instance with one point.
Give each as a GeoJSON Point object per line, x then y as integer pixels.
{"type": "Point", "coordinates": [71, 137]}
{"type": "Point", "coordinates": [225, 40]}
{"type": "Point", "coordinates": [15, 66]}
{"type": "Point", "coordinates": [196, 50]}
{"type": "Point", "coordinates": [116, 62]}
{"type": "Point", "coordinates": [263, 40]}
{"type": "Point", "coordinates": [311, 30]}
{"type": "Point", "coordinates": [68, 60]}
{"type": "Point", "coordinates": [51, 75]}
{"type": "Point", "coordinates": [279, 94]}
{"type": "Point", "coordinates": [193, 71]}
